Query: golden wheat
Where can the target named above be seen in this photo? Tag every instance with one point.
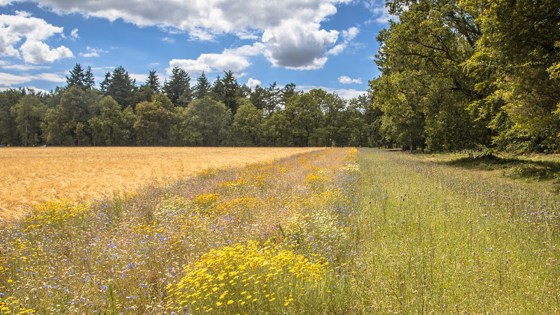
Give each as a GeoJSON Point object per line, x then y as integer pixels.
{"type": "Point", "coordinates": [36, 175]}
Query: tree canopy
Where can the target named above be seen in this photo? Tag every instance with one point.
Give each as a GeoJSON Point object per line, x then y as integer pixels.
{"type": "Point", "coordinates": [461, 74]}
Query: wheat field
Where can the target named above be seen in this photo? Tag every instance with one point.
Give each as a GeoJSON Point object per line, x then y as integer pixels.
{"type": "Point", "coordinates": [35, 175]}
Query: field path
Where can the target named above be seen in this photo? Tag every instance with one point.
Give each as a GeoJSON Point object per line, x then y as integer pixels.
{"type": "Point", "coordinates": [36, 175]}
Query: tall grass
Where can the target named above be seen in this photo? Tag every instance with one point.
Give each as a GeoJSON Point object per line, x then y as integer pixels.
{"type": "Point", "coordinates": [434, 239]}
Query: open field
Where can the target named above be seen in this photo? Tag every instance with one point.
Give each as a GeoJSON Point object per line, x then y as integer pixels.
{"type": "Point", "coordinates": [34, 175]}
{"type": "Point", "coordinates": [335, 231]}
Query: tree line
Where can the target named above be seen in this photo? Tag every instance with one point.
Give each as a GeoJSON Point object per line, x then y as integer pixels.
{"type": "Point", "coordinates": [177, 113]}
{"type": "Point", "coordinates": [461, 74]}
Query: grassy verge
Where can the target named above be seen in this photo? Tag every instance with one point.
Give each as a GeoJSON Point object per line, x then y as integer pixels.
{"type": "Point", "coordinates": [436, 239]}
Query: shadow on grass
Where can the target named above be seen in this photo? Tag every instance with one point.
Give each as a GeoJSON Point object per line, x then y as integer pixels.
{"type": "Point", "coordinates": [512, 167]}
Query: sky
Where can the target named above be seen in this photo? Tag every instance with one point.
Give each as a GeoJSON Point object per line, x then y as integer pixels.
{"type": "Point", "coordinates": [326, 44]}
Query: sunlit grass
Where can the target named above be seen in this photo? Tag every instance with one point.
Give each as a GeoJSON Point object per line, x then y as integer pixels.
{"type": "Point", "coordinates": [437, 239]}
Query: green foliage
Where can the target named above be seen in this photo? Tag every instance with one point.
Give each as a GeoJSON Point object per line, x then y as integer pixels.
{"type": "Point", "coordinates": [208, 122]}
{"type": "Point", "coordinates": [247, 126]}
{"type": "Point", "coordinates": [154, 121]}
{"type": "Point", "coordinates": [202, 88]}
{"type": "Point", "coordinates": [479, 73]}
{"type": "Point", "coordinates": [80, 114]}
{"type": "Point", "coordinates": [178, 88]}
{"type": "Point", "coordinates": [29, 112]}
{"type": "Point", "coordinates": [110, 126]}
{"type": "Point", "coordinates": [66, 124]}
{"type": "Point", "coordinates": [8, 99]}
{"type": "Point", "coordinates": [120, 87]}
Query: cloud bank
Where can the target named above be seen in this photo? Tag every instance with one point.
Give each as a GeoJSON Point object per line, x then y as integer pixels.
{"type": "Point", "coordinates": [289, 31]}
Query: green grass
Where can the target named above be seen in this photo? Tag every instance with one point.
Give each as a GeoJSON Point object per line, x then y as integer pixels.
{"type": "Point", "coordinates": [436, 239]}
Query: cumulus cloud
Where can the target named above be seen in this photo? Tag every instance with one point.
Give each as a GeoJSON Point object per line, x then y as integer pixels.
{"type": "Point", "coordinates": [9, 80]}
{"type": "Point", "coordinates": [290, 30]}
{"type": "Point", "coordinates": [34, 51]}
{"type": "Point", "coordinates": [209, 63]}
{"type": "Point", "coordinates": [253, 83]}
{"type": "Point", "coordinates": [298, 46]}
{"type": "Point", "coordinates": [347, 36]}
{"type": "Point", "coordinates": [235, 59]}
{"type": "Point", "coordinates": [15, 28]}
{"type": "Point", "coordinates": [348, 80]}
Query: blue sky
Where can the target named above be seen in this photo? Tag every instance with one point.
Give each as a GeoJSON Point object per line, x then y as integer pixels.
{"type": "Point", "coordinates": [312, 43]}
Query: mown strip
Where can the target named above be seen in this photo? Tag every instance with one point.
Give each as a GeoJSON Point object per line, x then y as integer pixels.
{"type": "Point", "coordinates": [434, 239]}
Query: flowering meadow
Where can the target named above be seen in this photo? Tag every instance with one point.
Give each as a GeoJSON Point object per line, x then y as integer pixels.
{"type": "Point", "coordinates": [334, 231]}
{"type": "Point", "coordinates": [266, 238]}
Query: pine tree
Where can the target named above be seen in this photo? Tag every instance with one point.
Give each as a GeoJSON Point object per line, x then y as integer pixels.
{"type": "Point", "coordinates": [153, 81]}
{"type": "Point", "coordinates": [178, 88]}
{"type": "Point", "coordinates": [89, 81]}
{"type": "Point", "coordinates": [104, 85]}
{"type": "Point", "coordinates": [76, 77]}
{"type": "Point", "coordinates": [121, 87]}
{"type": "Point", "coordinates": [231, 91]}
{"type": "Point", "coordinates": [202, 87]}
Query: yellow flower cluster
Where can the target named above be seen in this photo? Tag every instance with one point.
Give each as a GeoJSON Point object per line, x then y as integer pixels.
{"type": "Point", "coordinates": [12, 305]}
{"type": "Point", "coordinates": [205, 201]}
{"type": "Point", "coordinates": [232, 185]}
{"type": "Point", "coordinates": [238, 277]}
{"type": "Point", "coordinates": [235, 204]}
{"type": "Point", "coordinates": [53, 212]}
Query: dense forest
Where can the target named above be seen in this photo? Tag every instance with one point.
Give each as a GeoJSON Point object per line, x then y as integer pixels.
{"type": "Point", "coordinates": [178, 113]}
{"type": "Point", "coordinates": [460, 74]}
{"type": "Point", "coordinates": [455, 75]}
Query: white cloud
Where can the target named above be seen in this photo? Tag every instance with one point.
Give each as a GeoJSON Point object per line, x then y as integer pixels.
{"type": "Point", "coordinates": [290, 29]}
{"type": "Point", "coordinates": [348, 80]}
{"type": "Point", "coordinates": [15, 28]}
{"type": "Point", "coordinates": [346, 94]}
{"type": "Point", "coordinates": [34, 51]}
{"type": "Point", "coordinates": [20, 67]}
{"type": "Point", "coordinates": [139, 77]}
{"type": "Point", "coordinates": [74, 34]}
{"type": "Point", "coordinates": [92, 52]}
{"type": "Point", "coordinates": [347, 36]}
{"type": "Point", "coordinates": [298, 46]}
{"type": "Point", "coordinates": [168, 40]}
{"type": "Point", "coordinates": [8, 80]}
{"type": "Point", "coordinates": [252, 83]}
{"type": "Point", "coordinates": [209, 63]}
{"type": "Point", "coordinates": [380, 12]}
{"type": "Point", "coordinates": [234, 59]}
{"type": "Point", "coordinates": [5, 2]}
{"type": "Point", "coordinates": [50, 77]}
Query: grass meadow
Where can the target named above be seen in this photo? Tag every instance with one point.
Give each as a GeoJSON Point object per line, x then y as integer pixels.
{"type": "Point", "coordinates": [333, 231]}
